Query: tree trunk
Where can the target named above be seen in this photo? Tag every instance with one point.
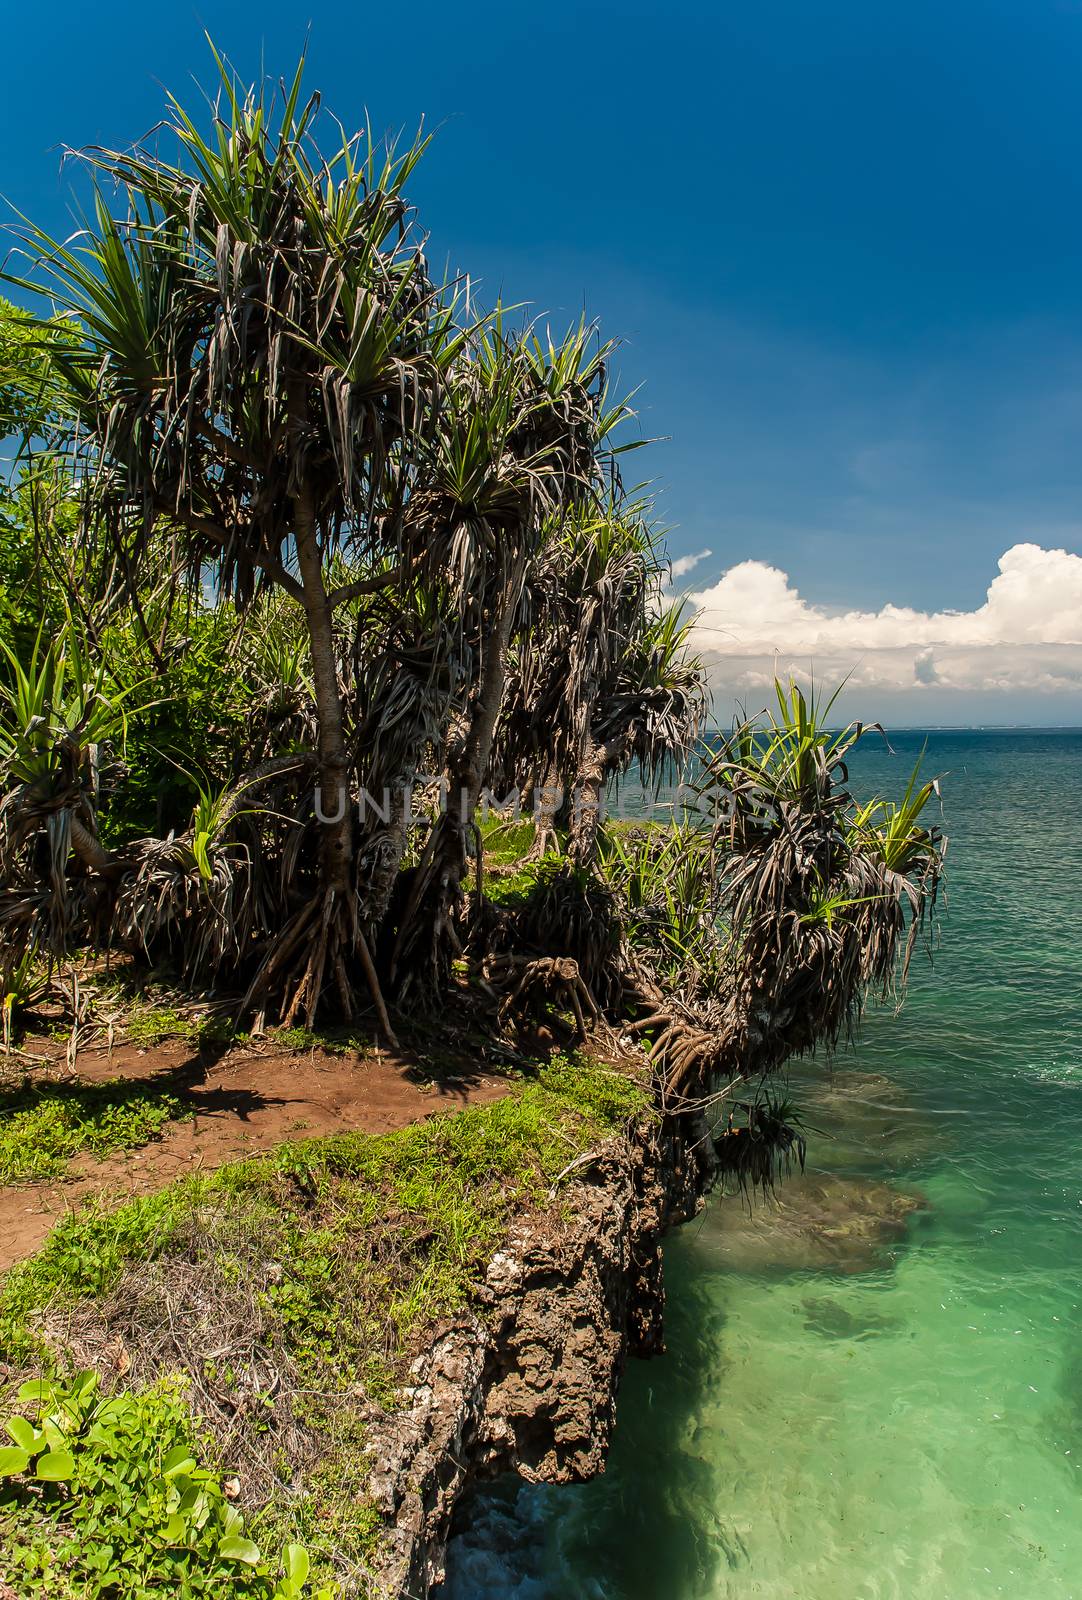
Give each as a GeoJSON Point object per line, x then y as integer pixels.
{"type": "Point", "coordinates": [87, 847]}
{"type": "Point", "coordinates": [467, 772]}
{"type": "Point", "coordinates": [586, 803]}
{"type": "Point", "coordinates": [438, 887]}
{"type": "Point", "coordinates": [335, 836]}
{"type": "Point", "coordinates": [380, 852]}
{"type": "Point", "coordinates": [547, 799]}
{"type": "Point", "coordinates": [336, 935]}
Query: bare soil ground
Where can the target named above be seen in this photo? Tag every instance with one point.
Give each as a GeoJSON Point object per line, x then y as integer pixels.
{"type": "Point", "coordinates": [239, 1101]}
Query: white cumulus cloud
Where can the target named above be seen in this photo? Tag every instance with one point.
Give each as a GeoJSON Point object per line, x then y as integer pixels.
{"type": "Point", "coordinates": [1027, 636]}
{"type": "Point", "coordinates": [685, 564]}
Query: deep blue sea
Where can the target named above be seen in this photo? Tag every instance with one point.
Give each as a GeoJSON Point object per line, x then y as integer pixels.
{"type": "Point", "coordinates": [873, 1386]}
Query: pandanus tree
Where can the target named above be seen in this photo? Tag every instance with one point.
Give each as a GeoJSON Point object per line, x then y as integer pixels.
{"type": "Point", "coordinates": [606, 678]}
{"type": "Point", "coordinates": [808, 901]}
{"type": "Point", "coordinates": [262, 353]}
{"type": "Point", "coordinates": [58, 713]}
{"type": "Point", "coordinates": [825, 897]}
{"type": "Point", "coordinates": [647, 714]}
{"type": "Point", "coordinates": [522, 443]}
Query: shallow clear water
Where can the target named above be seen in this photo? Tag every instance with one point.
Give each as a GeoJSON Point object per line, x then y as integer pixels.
{"type": "Point", "coordinates": [874, 1389]}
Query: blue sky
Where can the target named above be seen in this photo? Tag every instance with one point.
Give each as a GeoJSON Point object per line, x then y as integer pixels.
{"type": "Point", "coordinates": [842, 244]}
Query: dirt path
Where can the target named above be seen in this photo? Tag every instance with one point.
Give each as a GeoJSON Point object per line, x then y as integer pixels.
{"type": "Point", "coordinates": [247, 1101]}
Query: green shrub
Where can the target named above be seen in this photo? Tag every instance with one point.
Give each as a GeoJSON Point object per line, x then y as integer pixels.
{"type": "Point", "coordinates": [104, 1496]}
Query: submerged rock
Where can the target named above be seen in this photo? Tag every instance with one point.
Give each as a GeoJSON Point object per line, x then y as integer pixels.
{"type": "Point", "coordinates": [834, 1320]}
{"type": "Point", "coordinates": [818, 1221]}
{"type": "Point", "coordinates": [855, 1118]}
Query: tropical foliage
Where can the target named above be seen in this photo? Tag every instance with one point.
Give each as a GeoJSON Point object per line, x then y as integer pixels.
{"type": "Point", "coordinates": [103, 1494]}
{"type": "Point", "coordinates": [761, 931]}
{"type": "Point", "coordinates": [331, 556]}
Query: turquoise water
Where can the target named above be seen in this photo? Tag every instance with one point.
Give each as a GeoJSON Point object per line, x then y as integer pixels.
{"type": "Point", "coordinates": [873, 1389]}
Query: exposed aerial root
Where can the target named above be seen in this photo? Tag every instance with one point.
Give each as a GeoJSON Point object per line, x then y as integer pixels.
{"type": "Point", "coordinates": [336, 939]}
{"type": "Point", "coordinates": [540, 984]}
{"type": "Point", "coordinates": [545, 840]}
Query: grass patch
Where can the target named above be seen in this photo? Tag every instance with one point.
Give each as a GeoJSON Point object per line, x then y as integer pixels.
{"type": "Point", "coordinates": [143, 1025]}
{"type": "Point", "coordinates": [152, 1024]}
{"type": "Point", "coordinates": [41, 1128]}
{"type": "Point", "coordinates": [334, 1041]}
{"type": "Point", "coordinates": [314, 1208]}
{"type": "Point", "coordinates": [513, 889]}
{"type": "Point", "coordinates": [504, 842]}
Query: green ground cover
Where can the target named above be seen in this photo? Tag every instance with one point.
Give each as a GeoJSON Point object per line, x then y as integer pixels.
{"type": "Point", "coordinates": [323, 1262]}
